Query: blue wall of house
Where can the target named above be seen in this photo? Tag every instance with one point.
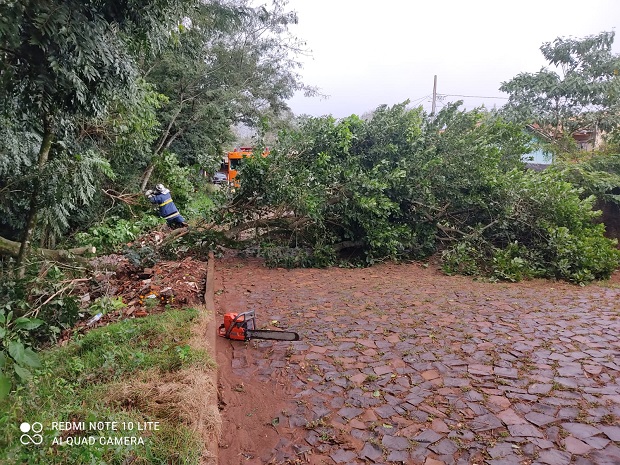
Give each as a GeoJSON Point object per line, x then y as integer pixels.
{"type": "Point", "coordinates": [538, 156]}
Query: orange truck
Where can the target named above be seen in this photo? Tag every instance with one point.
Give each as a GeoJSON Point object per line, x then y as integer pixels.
{"type": "Point", "coordinates": [233, 160]}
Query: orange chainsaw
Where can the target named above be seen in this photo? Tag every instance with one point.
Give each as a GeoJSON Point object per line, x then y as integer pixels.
{"type": "Point", "coordinates": [242, 327]}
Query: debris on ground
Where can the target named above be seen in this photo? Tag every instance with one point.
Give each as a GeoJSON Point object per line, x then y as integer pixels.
{"type": "Point", "coordinates": [138, 291]}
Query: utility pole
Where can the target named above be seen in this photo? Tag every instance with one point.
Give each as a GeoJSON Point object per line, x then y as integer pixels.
{"type": "Point", "coordinates": [434, 95]}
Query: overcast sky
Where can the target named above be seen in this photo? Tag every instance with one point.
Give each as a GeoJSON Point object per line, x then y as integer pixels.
{"type": "Point", "coordinates": [367, 53]}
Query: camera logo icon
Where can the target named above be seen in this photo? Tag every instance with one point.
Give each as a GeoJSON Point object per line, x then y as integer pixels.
{"type": "Point", "coordinates": [35, 428]}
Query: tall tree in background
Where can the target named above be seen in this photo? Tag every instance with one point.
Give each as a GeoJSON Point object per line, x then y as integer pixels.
{"type": "Point", "coordinates": [63, 61]}
{"type": "Point", "coordinates": [582, 91]}
{"type": "Point", "coordinates": [233, 63]}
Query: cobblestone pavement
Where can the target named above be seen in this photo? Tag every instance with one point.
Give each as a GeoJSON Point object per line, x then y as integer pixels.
{"type": "Point", "coordinates": [400, 364]}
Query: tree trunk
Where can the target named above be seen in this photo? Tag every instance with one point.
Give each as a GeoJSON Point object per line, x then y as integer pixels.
{"type": "Point", "coordinates": [12, 249]}
{"type": "Point", "coordinates": [146, 176]}
{"type": "Point", "coordinates": [163, 143]}
{"type": "Point", "coordinates": [149, 170]}
{"type": "Point", "coordinates": [44, 151]}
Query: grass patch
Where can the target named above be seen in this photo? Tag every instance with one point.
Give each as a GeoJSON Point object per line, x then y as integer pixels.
{"type": "Point", "coordinates": [132, 373]}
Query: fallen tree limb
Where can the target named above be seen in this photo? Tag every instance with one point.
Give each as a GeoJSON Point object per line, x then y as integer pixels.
{"type": "Point", "coordinates": [71, 285]}
{"type": "Point", "coordinates": [174, 235]}
{"type": "Point", "coordinates": [260, 223]}
{"type": "Point", "coordinates": [348, 245]}
{"type": "Point", "coordinates": [11, 249]}
{"type": "Point", "coordinates": [129, 199]}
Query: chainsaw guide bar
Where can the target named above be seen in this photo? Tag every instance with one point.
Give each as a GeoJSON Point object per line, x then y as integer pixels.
{"type": "Point", "coordinates": [272, 335]}
{"type": "Point", "coordinates": [241, 327]}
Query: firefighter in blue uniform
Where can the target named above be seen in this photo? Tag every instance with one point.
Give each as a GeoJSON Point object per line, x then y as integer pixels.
{"type": "Point", "coordinates": [161, 197]}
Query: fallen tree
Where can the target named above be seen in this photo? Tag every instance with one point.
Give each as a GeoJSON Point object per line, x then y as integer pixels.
{"type": "Point", "coordinates": [403, 185]}
{"type": "Point", "coordinates": [11, 249]}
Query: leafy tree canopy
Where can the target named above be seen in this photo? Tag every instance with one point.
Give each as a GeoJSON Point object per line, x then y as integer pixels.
{"type": "Point", "coordinates": [63, 62]}
{"type": "Point", "coordinates": [580, 89]}
{"type": "Point", "coordinates": [232, 63]}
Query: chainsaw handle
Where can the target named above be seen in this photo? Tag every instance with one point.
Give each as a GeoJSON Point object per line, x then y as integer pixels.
{"type": "Point", "coordinates": [241, 317]}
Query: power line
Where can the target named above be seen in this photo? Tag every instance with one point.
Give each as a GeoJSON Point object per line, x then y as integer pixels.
{"type": "Point", "coordinates": [471, 96]}
{"type": "Point", "coordinates": [419, 99]}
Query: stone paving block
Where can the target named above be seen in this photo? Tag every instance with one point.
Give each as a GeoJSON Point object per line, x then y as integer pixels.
{"type": "Point", "coordinates": [359, 378]}
{"type": "Point", "coordinates": [568, 413]}
{"type": "Point", "coordinates": [510, 373]}
{"type": "Point", "coordinates": [575, 446]}
{"type": "Point", "coordinates": [554, 457]}
{"type": "Point", "coordinates": [395, 442]}
{"type": "Point", "coordinates": [593, 369]}
{"type": "Point", "coordinates": [581, 430]}
{"type": "Point", "coordinates": [454, 383]}
{"type": "Point", "coordinates": [297, 421]}
{"type": "Point", "coordinates": [342, 456]}
{"type": "Point", "coordinates": [527, 431]}
{"type": "Point", "coordinates": [500, 401]}
{"type": "Point", "coordinates": [570, 383]}
{"type": "Point", "coordinates": [385, 411]}
{"type": "Point", "coordinates": [510, 417]}
{"type": "Point", "coordinates": [430, 375]}
{"type": "Point", "coordinates": [539, 419]}
{"type": "Point", "coordinates": [427, 437]}
{"type": "Point", "coordinates": [371, 452]}
{"type": "Point", "coordinates": [507, 460]}
{"type": "Point", "coordinates": [542, 443]}
{"type": "Point", "coordinates": [609, 456]}
{"type": "Point", "coordinates": [444, 447]}
{"type": "Point", "coordinates": [570, 369]}
{"type": "Point", "coordinates": [398, 456]}
{"type": "Point", "coordinates": [612, 432]}
{"type": "Point", "coordinates": [597, 442]}
{"type": "Point", "coordinates": [439, 426]}
{"type": "Point", "coordinates": [539, 388]}
{"type": "Point", "coordinates": [382, 370]}
{"type": "Point", "coordinates": [473, 396]}
{"type": "Point", "coordinates": [500, 450]}
{"type": "Point", "coordinates": [485, 423]}
{"type": "Point", "coordinates": [350, 412]}
{"type": "Point", "coordinates": [432, 461]}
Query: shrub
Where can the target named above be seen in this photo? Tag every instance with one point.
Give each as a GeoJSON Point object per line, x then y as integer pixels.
{"type": "Point", "coordinates": [114, 233]}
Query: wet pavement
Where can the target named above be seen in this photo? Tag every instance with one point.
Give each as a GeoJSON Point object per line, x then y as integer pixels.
{"type": "Point", "coordinates": [400, 364]}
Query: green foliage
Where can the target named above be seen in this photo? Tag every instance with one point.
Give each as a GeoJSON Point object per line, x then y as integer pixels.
{"type": "Point", "coordinates": [237, 63]}
{"type": "Point", "coordinates": [105, 305]}
{"type": "Point", "coordinates": [581, 94]}
{"type": "Point", "coordinates": [15, 356]}
{"type": "Point", "coordinates": [462, 258]}
{"type": "Point", "coordinates": [584, 255]}
{"type": "Point", "coordinates": [597, 175]}
{"type": "Point", "coordinates": [404, 185]}
{"type": "Point", "coordinates": [176, 178]}
{"type": "Point", "coordinates": [542, 228]}
{"type": "Point", "coordinates": [141, 257]}
{"type": "Point", "coordinates": [288, 257]}
{"type": "Point", "coordinates": [116, 87]}
{"type": "Point", "coordinates": [33, 311]}
{"type": "Point", "coordinates": [114, 233]}
{"type": "Point", "coordinates": [509, 264]}
{"type": "Point", "coordinates": [203, 205]}
{"type": "Point", "coordinates": [77, 382]}
{"type": "Point", "coordinates": [72, 100]}
{"type": "Point", "coordinates": [46, 294]}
